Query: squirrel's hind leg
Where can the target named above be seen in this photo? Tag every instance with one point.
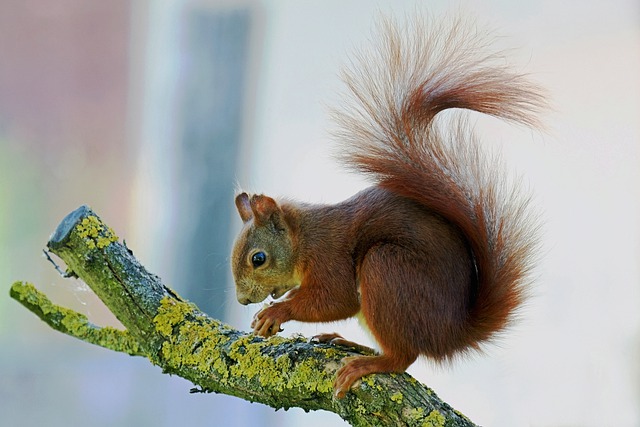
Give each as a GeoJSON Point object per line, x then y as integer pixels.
{"type": "Point", "coordinates": [384, 274]}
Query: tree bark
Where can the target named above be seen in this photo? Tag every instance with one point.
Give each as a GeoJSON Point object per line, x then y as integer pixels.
{"type": "Point", "coordinates": [175, 335]}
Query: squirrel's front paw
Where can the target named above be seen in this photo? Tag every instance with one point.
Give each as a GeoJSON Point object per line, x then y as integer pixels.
{"type": "Point", "coordinates": [267, 321]}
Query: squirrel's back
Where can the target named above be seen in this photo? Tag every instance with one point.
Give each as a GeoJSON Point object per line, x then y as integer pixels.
{"type": "Point", "coordinates": [388, 131]}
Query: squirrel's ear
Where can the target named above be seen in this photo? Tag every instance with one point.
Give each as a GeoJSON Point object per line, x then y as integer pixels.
{"type": "Point", "coordinates": [244, 207]}
{"type": "Point", "coordinates": [264, 208]}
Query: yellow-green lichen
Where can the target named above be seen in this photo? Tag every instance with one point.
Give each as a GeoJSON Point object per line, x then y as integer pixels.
{"type": "Point", "coordinates": [397, 397]}
{"type": "Point", "coordinates": [73, 323]}
{"type": "Point", "coordinates": [28, 294]}
{"type": "Point", "coordinates": [361, 408]}
{"type": "Point", "coordinates": [329, 353]}
{"type": "Point", "coordinates": [195, 344]}
{"type": "Point", "coordinates": [434, 419]}
{"type": "Point", "coordinates": [96, 233]}
{"type": "Point", "coordinates": [278, 373]}
{"type": "Point", "coordinates": [170, 314]}
{"type": "Point", "coordinates": [370, 380]}
{"type": "Point", "coordinates": [415, 414]}
{"type": "Point", "coordinates": [253, 364]}
{"type": "Point", "coordinates": [308, 374]}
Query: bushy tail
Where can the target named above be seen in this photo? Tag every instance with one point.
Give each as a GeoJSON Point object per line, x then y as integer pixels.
{"type": "Point", "coordinates": [390, 134]}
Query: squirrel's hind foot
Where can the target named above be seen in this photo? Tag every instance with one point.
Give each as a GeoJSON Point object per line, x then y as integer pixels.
{"type": "Point", "coordinates": [357, 367]}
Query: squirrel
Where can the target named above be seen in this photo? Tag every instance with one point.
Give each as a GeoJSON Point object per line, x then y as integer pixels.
{"type": "Point", "coordinates": [435, 257]}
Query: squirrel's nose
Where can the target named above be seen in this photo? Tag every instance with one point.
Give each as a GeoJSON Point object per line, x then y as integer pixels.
{"type": "Point", "coordinates": [244, 301]}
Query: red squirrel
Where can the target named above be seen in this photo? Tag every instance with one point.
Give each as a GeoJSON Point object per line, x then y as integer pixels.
{"type": "Point", "coordinates": [436, 255]}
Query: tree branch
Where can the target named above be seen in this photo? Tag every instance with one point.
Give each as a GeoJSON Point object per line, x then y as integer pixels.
{"type": "Point", "coordinates": [175, 335]}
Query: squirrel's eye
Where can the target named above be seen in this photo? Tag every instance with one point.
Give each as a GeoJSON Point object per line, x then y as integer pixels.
{"type": "Point", "coordinates": [258, 259]}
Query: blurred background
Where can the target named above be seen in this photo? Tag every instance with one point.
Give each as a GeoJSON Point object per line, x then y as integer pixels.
{"type": "Point", "coordinates": [154, 113]}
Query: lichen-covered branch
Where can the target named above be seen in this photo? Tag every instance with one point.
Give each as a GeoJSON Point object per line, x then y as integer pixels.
{"type": "Point", "coordinates": [73, 323]}
{"type": "Point", "coordinates": [175, 335]}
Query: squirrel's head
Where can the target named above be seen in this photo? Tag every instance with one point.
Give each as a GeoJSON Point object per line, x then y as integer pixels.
{"type": "Point", "coordinates": [263, 254]}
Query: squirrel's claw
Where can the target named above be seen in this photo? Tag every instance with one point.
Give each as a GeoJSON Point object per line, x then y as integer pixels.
{"type": "Point", "coordinates": [346, 376]}
{"type": "Point", "coordinates": [266, 322]}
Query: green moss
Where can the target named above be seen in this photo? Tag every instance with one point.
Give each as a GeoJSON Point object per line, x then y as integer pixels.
{"type": "Point", "coordinates": [96, 233]}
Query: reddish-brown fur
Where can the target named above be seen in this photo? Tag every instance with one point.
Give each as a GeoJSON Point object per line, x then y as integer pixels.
{"type": "Point", "coordinates": [436, 254]}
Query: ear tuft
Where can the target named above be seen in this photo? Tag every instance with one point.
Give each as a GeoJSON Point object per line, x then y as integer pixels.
{"type": "Point", "coordinates": [244, 207]}
{"type": "Point", "coordinates": [264, 208]}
